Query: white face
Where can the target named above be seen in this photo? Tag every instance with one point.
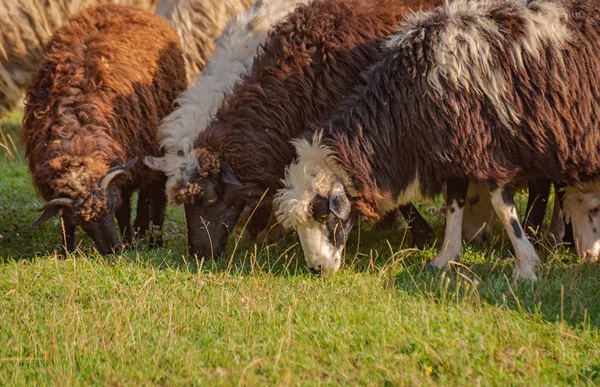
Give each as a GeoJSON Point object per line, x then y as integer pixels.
{"type": "Point", "coordinates": [584, 213]}
{"type": "Point", "coordinates": [314, 202]}
{"type": "Point", "coordinates": [320, 253]}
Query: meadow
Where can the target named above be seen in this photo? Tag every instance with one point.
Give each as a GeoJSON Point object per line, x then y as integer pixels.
{"type": "Point", "coordinates": [155, 317]}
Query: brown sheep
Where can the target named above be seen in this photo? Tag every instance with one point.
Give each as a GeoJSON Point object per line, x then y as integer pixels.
{"type": "Point", "coordinates": [107, 78]}
{"type": "Point", "coordinates": [308, 64]}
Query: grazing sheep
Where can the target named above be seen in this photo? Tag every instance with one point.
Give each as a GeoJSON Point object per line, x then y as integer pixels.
{"type": "Point", "coordinates": [494, 92]}
{"type": "Point", "coordinates": [308, 64]}
{"type": "Point", "coordinates": [107, 78]}
{"type": "Point", "coordinates": [27, 25]}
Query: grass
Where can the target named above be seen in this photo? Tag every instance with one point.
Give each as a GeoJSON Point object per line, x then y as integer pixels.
{"type": "Point", "coordinates": [258, 317]}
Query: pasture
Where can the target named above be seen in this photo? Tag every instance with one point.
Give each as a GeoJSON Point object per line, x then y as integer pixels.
{"type": "Point", "coordinates": [258, 317]}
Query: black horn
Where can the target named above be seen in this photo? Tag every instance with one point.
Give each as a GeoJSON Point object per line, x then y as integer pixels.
{"type": "Point", "coordinates": [116, 171]}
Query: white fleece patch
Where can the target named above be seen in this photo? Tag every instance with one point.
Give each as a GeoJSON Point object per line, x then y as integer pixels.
{"type": "Point", "coordinates": [463, 55]}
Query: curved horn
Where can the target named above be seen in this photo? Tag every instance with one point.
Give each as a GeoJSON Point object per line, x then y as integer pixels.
{"type": "Point", "coordinates": [105, 181]}
{"type": "Point", "coordinates": [51, 209]}
{"type": "Point", "coordinates": [66, 202]}
{"type": "Point", "coordinates": [116, 171]}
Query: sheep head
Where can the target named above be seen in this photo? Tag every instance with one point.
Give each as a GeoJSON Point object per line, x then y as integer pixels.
{"type": "Point", "coordinates": [314, 202]}
{"type": "Point", "coordinates": [212, 198]}
{"type": "Point", "coordinates": [86, 197]}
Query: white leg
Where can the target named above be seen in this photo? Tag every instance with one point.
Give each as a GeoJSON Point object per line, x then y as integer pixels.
{"type": "Point", "coordinates": [452, 246]}
{"type": "Point", "coordinates": [527, 259]}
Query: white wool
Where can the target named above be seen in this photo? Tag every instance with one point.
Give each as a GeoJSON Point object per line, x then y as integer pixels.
{"type": "Point", "coordinates": [234, 55]}
{"type": "Point", "coordinates": [463, 53]}
{"type": "Point", "coordinates": [313, 173]}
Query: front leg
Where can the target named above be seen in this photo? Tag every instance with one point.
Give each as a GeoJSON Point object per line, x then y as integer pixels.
{"type": "Point", "coordinates": [527, 259]}
{"type": "Point", "coordinates": [421, 231]}
{"type": "Point", "coordinates": [452, 246]}
{"type": "Point", "coordinates": [158, 207]}
{"type": "Point", "coordinates": [536, 207]}
{"type": "Point", "coordinates": [68, 234]}
{"type": "Point", "coordinates": [559, 195]}
{"type": "Point", "coordinates": [123, 215]}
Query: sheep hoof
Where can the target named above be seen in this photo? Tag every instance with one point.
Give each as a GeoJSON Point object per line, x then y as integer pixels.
{"type": "Point", "coordinates": [442, 259]}
{"type": "Point", "coordinates": [526, 274]}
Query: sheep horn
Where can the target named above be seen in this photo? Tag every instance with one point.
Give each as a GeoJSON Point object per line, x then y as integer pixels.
{"type": "Point", "coordinates": [65, 202]}
{"type": "Point", "coordinates": [51, 208]}
{"type": "Point", "coordinates": [116, 171]}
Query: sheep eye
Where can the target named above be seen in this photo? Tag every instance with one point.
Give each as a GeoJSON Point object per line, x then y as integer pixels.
{"type": "Point", "coordinates": [320, 209]}
{"type": "Point", "coordinates": [474, 200]}
{"type": "Point", "coordinates": [594, 211]}
{"type": "Point", "coordinates": [210, 201]}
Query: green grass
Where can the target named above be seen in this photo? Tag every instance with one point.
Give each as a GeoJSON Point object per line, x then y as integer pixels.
{"type": "Point", "coordinates": [258, 317]}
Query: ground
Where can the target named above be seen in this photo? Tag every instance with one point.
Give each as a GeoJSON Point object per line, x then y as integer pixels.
{"type": "Point", "coordinates": [256, 317]}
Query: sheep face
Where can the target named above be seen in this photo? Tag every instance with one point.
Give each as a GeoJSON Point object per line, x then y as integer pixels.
{"type": "Point", "coordinates": [582, 209]}
{"type": "Point", "coordinates": [211, 195]}
{"type": "Point", "coordinates": [315, 204]}
{"type": "Point", "coordinates": [92, 208]}
{"type": "Point", "coordinates": [210, 223]}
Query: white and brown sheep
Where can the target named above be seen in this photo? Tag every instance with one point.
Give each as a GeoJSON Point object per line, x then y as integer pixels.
{"type": "Point", "coordinates": [492, 91]}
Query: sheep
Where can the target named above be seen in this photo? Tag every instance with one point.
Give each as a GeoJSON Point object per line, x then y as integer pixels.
{"type": "Point", "coordinates": [27, 25]}
{"type": "Point", "coordinates": [494, 92]}
{"type": "Point", "coordinates": [199, 23]}
{"type": "Point", "coordinates": [106, 79]}
{"type": "Point", "coordinates": [306, 66]}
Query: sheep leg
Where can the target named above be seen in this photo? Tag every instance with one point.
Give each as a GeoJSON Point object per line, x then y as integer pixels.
{"type": "Point", "coordinates": [142, 217]}
{"type": "Point", "coordinates": [421, 231]}
{"type": "Point", "coordinates": [452, 246]}
{"type": "Point", "coordinates": [273, 230]}
{"type": "Point", "coordinates": [557, 228]}
{"type": "Point", "coordinates": [568, 232]}
{"type": "Point", "coordinates": [123, 215]}
{"type": "Point", "coordinates": [68, 234]}
{"type": "Point", "coordinates": [527, 259]}
{"type": "Point", "coordinates": [388, 222]}
{"type": "Point", "coordinates": [536, 207]}
{"type": "Point", "coordinates": [157, 210]}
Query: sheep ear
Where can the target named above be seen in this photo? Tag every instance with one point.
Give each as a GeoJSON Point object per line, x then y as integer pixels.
{"type": "Point", "coordinates": [156, 163]}
{"type": "Point", "coordinates": [338, 202]}
{"type": "Point", "coordinates": [47, 215]}
{"type": "Point", "coordinates": [228, 176]}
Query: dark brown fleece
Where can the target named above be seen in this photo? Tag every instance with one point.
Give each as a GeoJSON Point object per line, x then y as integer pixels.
{"type": "Point", "coordinates": [306, 67]}
{"type": "Point", "coordinates": [396, 125]}
{"type": "Point", "coordinates": [107, 78]}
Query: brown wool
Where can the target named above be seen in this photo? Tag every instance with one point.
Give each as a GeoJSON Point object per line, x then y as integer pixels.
{"type": "Point", "coordinates": [96, 101]}
{"type": "Point", "coordinates": [307, 66]}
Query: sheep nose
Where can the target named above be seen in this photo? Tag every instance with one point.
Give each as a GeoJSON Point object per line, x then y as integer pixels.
{"type": "Point", "coordinates": [315, 270]}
